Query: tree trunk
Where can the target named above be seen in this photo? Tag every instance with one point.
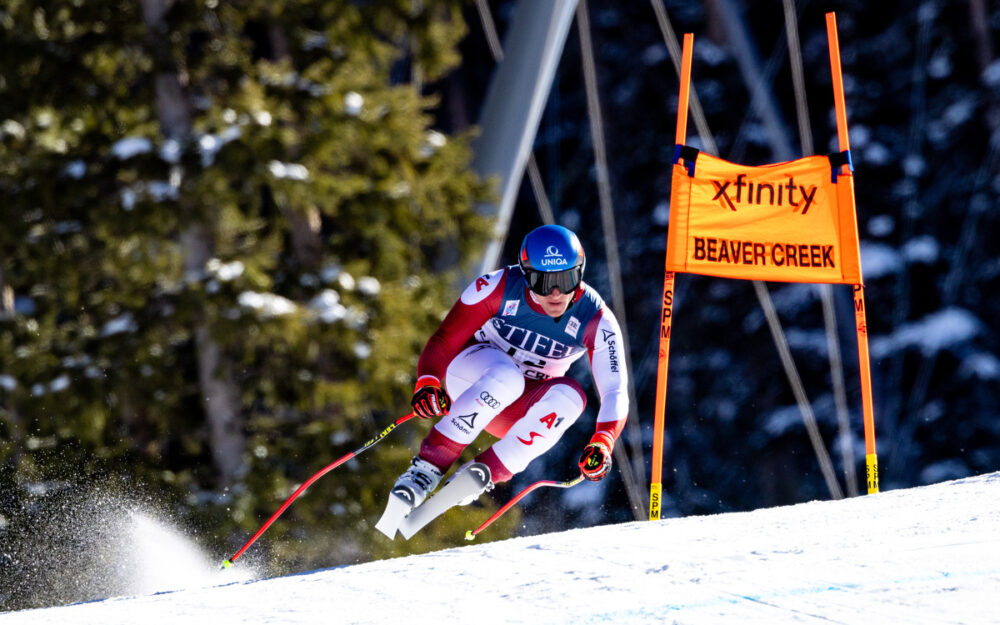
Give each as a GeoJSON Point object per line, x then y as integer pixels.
{"type": "Point", "coordinates": [6, 297]}
{"type": "Point", "coordinates": [304, 221]}
{"type": "Point", "coordinates": [219, 393]}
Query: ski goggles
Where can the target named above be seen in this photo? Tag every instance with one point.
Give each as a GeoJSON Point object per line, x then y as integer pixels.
{"type": "Point", "coordinates": [542, 282]}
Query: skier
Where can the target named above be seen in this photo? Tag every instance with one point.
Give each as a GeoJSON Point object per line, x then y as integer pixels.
{"type": "Point", "coordinates": [498, 363]}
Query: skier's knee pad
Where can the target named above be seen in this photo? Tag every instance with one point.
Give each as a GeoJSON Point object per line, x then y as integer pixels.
{"type": "Point", "coordinates": [564, 399]}
{"type": "Point", "coordinates": [541, 427]}
{"type": "Point", "coordinates": [498, 387]}
{"type": "Point", "coordinates": [571, 392]}
{"type": "Point", "coordinates": [503, 383]}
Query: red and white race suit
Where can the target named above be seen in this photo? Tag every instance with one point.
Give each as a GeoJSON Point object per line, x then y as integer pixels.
{"type": "Point", "coordinates": [503, 362]}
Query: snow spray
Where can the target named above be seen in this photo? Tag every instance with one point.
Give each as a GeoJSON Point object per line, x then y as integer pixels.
{"type": "Point", "coordinates": [70, 547]}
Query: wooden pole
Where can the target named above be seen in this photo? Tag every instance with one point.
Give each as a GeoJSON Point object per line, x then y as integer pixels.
{"type": "Point", "coordinates": [666, 314]}
{"type": "Point", "coordinates": [867, 408]}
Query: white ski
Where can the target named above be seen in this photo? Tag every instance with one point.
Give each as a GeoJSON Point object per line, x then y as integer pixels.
{"type": "Point", "coordinates": [469, 483]}
{"type": "Point", "coordinates": [395, 510]}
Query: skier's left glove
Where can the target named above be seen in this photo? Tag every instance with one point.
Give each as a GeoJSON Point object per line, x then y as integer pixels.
{"type": "Point", "coordinates": [595, 461]}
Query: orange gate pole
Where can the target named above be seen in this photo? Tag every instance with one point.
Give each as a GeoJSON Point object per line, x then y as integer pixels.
{"type": "Point", "coordinates": [666, 315]}
{"type": "Point", "coordinates": [871, 459]}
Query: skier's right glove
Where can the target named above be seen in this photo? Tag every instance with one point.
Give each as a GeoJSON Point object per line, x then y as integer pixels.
{"type": "Point", "coordinates": [429, 399]}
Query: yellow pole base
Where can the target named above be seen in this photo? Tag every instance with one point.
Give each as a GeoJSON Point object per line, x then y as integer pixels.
{"type": "Point", "coordinates": [655, 492]}
{"type": "Point", "coordinates": [871, 463]}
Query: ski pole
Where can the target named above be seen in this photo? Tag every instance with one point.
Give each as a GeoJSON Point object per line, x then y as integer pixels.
{"type": "Point", "coordinates": [471, 534]}
{"type": "Point", "coordinates": [333, 465]}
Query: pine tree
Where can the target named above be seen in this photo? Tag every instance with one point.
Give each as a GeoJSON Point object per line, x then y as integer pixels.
{"type": "Point", "coordinates": [250, 193]}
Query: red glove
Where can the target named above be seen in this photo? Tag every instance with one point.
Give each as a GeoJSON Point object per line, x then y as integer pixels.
{"type": "Point", "coordinates": [595, 461]}
{"type": "Point", "coordinates": [429, 399]}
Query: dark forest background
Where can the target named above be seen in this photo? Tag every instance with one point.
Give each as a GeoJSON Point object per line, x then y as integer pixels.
{"type": "Point", "coordinates": [228, 228]}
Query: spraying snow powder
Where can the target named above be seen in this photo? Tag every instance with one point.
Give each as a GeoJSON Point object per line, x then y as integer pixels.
{"type": "Point", "coordinates": [79, 547]}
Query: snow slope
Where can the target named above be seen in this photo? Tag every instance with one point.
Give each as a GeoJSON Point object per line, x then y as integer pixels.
{"type": "Point", "coordinates": [923, 555]}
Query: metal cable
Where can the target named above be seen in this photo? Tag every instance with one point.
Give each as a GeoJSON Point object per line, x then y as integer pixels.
{"type": "Point", "coordinates": [825, 290]}
{"type": "Point", "coordinates": [825, 464]}
{"type": "Point", "coordinates": [674, 48]}
{"type": "Point", "coordinates": [490, 29]}
{"type": "Point", "coordinates": [798, 78]}
{"type": "Point", "coordinates": [534, 176]}
{"type": "Point", "coordinates": [611, 250]}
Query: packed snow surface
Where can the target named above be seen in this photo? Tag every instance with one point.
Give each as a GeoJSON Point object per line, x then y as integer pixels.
{"type": "Point", "coordinates": [922, 555]}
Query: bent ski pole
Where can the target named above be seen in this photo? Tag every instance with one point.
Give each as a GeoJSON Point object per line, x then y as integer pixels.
{"type": "Point", "coordinates": [471, 534]}
{"type": "Point", "coordinates": [333, 465]}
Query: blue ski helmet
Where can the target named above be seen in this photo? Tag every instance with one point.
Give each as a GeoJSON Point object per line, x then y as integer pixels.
{"type": "Point", "coordinates": [551, 257]}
